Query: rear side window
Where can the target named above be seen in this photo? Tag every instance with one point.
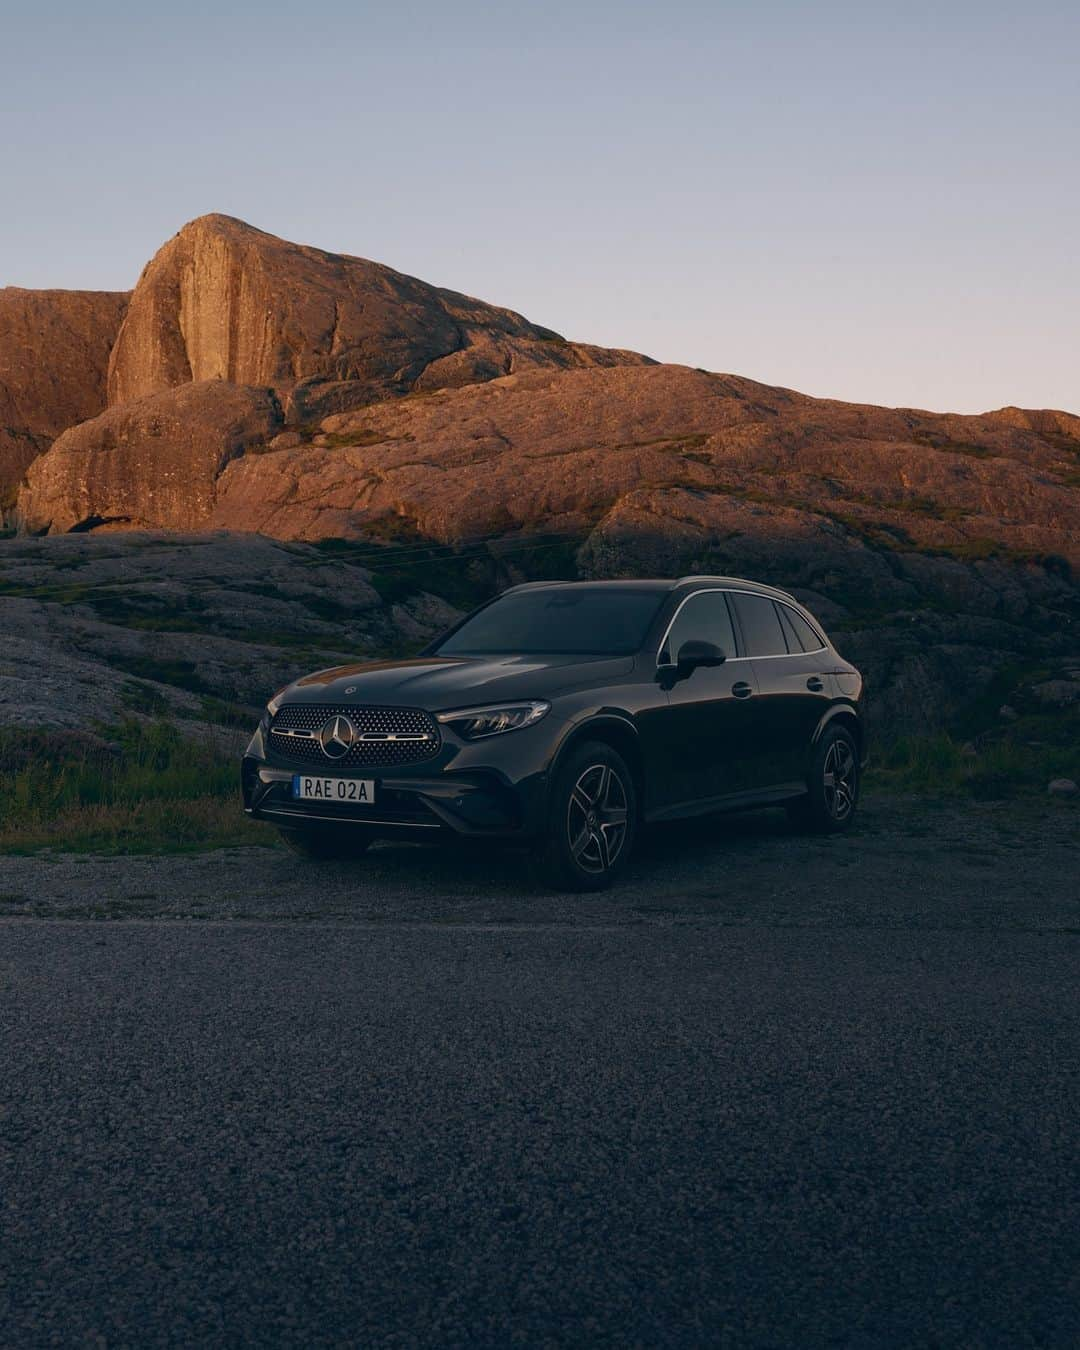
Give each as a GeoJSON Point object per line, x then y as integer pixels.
{"type": "Point", "coordinates": [703, 618]}
{"type": "Point", "coordinates": [801, 637]}
{"type": "Point", "coordinates": [760, 625]}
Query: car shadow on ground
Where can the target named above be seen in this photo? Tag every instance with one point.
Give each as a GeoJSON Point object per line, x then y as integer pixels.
{"type": "Point", "coordinates": [685, 848]}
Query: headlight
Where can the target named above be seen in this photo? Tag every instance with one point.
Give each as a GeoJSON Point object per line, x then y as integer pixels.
{"type": "Point", "coordinates": [473, 724]}
{"type": "Point", "coordinates": [274, 705]}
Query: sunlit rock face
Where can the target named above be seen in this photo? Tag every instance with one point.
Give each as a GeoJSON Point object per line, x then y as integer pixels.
{"type": "Point", "coordinates": [225, 301]}
{"type": "Point", "coordinates": [678, 456]}
{"type": "Point", "coordinates": [150, 463]}
{"type": "Point", "coordinates": [54, 355]}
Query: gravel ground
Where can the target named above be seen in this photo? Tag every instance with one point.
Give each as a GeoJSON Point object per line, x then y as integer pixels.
{"type": "Point", "coordinates": [775, 1091]}
{"type": "Point", "coordinates": [905, 865]}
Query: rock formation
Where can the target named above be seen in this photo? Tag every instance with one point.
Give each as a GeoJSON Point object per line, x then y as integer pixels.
{"type": "Point", "coordinates": [151, 463]}
{"type": "Point", "coordinates": [257, 386]}
{"type": "Point", "coordinates": [665, 451]}
{"type": "Point", "coordinates": [54, 354]}
{"type": "Point", "coordinates": [224, 301]}
{"type": "Point", "coordinates": [100, 628]}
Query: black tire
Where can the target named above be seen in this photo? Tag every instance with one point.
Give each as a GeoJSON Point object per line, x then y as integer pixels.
{"type": "Point", "coordinates": [325, 844]}
{"type": "Point", "coordinates": [592, 821]}
{"type": "Point", "coordinates": [832, 785]}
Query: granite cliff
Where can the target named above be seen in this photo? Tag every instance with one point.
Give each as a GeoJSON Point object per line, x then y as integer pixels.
{"type": "Point", "coordinates": [54, 355]}
{"type": "Point", "coordinates": [260, 387]}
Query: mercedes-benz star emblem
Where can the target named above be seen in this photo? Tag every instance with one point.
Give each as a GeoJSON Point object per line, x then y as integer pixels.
{"type": "Point", "coordinates": [336, 737]}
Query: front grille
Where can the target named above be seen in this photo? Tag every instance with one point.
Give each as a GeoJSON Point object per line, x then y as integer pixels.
{"type": "Point", "coordinates": [374, 722]}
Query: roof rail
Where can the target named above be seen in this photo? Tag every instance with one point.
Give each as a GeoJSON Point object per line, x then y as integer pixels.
{"type": "Point", "coordinates": [737, 581]}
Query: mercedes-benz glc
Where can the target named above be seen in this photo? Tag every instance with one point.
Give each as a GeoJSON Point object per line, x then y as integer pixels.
{"type": "Point", "coordinates": [566, 716]}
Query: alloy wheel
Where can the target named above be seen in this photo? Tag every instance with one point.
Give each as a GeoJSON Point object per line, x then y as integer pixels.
{"type": "Point", "coordinates": [840, 779]}
{"type": "Point", "coordinates": [596, 818]}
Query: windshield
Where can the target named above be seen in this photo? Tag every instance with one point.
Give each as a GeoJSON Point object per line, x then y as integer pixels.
{"type": "Point", "coordinates": [564, 621]}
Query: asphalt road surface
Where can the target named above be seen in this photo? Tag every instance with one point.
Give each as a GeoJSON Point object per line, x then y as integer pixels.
{"type": "Point", "coordinates": [774, 1092]}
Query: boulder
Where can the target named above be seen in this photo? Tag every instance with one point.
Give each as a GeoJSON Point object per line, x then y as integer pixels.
{"type": "Point", "coordinates": [153, 463]}
{"type": "Point", "coordinates": [1062, 787]}
{"type": "Point", "coordinates": [54, 355]}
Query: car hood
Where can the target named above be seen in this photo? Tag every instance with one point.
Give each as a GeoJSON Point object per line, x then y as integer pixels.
{"type": "Point", "coordinates": [439, 683]}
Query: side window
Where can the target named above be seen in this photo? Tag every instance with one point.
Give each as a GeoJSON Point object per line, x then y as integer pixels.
{"type": "Point", "coordinates": [808, 639]}
{"type": "Point", "coordinates": [794, 643]}
{"type": "Point", "coordinates": [760, 625]}
{"type": "Point", "coordinates": [704, 617]}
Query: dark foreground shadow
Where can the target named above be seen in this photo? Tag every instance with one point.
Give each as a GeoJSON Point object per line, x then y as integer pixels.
{"type": "Point", "coordinates": [699, 845]}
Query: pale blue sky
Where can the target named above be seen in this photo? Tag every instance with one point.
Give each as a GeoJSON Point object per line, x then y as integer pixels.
{"type": "Point", "coordinates": [864, 201]}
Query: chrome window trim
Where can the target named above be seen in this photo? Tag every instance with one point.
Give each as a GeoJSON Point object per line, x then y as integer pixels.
{"type": "Point", "coordinates": [732, 590]}
{"type": "Point", "coordinates": [811, 625]}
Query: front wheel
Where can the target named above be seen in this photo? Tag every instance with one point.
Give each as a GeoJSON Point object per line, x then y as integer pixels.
{"type": "Point", "coordinates": [832, 784]}
{"type": "Point", "coordinates": [591, 821]}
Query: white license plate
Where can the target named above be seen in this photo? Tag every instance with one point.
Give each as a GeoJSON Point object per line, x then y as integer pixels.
{"type": "Point", "coordinates": [308, 788]}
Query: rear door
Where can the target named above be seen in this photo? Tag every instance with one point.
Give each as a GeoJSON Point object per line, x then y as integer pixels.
{"type": "Point", "coordinates": [705, 745]}
{"type": "Point", "coordinates": [793, 688]}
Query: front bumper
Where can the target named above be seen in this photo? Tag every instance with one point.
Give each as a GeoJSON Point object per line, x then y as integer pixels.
{"type": "Point", "coordinates": [480, 790]}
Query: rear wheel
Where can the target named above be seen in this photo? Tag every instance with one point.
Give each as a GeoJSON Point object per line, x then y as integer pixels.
{"type": "Point", "coordinates": [591, 823]}
{"type": "Point", "coordinates": [832, 783]}
{"type": "Point", "coordinates": [323, 844]}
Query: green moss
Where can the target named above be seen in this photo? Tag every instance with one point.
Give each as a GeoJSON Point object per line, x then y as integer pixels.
{"type": "Point", "coordinates": [876, 534]}
{"type": "Point", "coordinates": [937, 440]}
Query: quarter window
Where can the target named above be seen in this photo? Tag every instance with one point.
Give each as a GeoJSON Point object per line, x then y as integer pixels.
{"type": "Point", "coordinates": [760, 625]}
{"type": "Point", "coordinates": [800, 635]}
{"type": "Point", "coordinates": [704, 618]}
{"type": "Point", "coordinates": [793, 642]}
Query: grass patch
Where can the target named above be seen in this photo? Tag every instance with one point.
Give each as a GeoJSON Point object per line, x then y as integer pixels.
{"type": "Point", "coordinates": [180, 674]}
{"type": "Point", "coordinates": [1009, 765]}
{"type": "Point", "coordinates": [152, 613]}
{"type": "Point", "coordinates": [140, 697]}
{"type": "Point", "coordinates": [223, 713]}
{"type": "Point", "coordinates": [146, 790]}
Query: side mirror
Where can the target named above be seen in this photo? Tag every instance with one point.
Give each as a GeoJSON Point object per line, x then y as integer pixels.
{"type": "Point", "coordinates": [694, 653]}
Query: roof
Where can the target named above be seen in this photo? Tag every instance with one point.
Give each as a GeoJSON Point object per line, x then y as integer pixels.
{"type": "Point", "coordinates": [663, 584]}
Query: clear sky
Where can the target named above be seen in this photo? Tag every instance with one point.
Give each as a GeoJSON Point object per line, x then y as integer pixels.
{"type": "Point", "coordinates": [878, 202]}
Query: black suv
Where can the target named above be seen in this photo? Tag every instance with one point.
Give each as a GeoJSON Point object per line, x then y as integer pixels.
{"type": "Point", "coordinates": [566, 715]}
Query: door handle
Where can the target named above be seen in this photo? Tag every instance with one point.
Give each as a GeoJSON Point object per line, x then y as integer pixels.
{"type": "Point", "coordinates": [815, 683]}
{"type": "Point", "coordinates": [741, 689]}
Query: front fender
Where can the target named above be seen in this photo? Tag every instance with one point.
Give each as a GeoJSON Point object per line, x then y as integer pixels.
{"type": "Point", "coordinates": [612, 726]}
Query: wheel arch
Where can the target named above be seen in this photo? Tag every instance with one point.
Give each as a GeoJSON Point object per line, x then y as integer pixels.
{"type": "Point", "coordinates": [614, 729]}
{"type": "Point", "coordinates": [844, 713]}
